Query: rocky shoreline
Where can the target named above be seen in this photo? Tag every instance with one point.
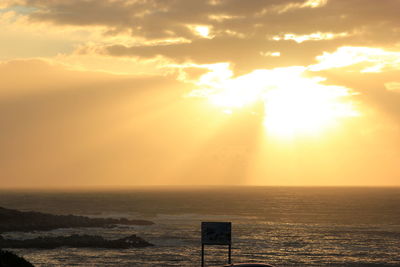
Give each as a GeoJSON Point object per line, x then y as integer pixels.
{"type": "Point", "coordinates": [9, 259]}
{"type": "Point", "coordinates": [20, 221]}
{"type": "Point", "coordinates": [30, 221]}
{"type": "Point", "coordinates": [76, 241]}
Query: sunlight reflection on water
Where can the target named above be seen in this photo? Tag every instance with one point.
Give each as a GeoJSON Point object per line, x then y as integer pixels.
{"type": "Point", "coordinates": [264, 227]}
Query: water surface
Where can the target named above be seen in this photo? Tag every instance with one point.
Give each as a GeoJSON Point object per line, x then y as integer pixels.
{"type": "Point", "coordinates": [285, 226]}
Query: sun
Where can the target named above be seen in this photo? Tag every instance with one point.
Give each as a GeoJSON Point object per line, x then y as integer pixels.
{"type": "Point", "coordinates": [305, 110]}
{"type": "Point", "coordinates": [294, 104]}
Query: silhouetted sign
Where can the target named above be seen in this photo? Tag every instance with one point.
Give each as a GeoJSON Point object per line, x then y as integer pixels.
{"type": "Point", "coordinates": [216, 233]}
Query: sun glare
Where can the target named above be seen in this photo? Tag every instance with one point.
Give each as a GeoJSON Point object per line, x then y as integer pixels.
{"type": "Point", "coordinates": [299, 110]}
{"type": "Point", "coordinates": [293, 103]}
{"type": "Point", "coordinates": [200, 30]}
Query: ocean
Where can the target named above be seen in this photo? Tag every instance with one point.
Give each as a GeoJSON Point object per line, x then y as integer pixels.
{"type": "Point", "coordinates": [283, 226]}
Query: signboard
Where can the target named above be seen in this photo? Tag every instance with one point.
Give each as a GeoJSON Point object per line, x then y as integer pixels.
{"type": "Point", "coordinates": [216, 233]}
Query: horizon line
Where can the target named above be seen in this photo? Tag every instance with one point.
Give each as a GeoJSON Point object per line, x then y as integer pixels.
{"type": "Point", "coordinates": [168, 186]}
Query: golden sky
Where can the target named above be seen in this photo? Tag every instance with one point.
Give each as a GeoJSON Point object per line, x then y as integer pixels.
{"type": "Point", "coordinates": [186, 92]}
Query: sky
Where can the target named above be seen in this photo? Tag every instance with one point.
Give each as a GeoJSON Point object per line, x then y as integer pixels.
{"type": "Point", "coordinates": [184, 92]}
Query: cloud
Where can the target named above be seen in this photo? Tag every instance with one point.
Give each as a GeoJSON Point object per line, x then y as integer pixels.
{"type": "Point", "coordinates": [372, 72]}
{"type": "Point", "coordinates": [297, 5]}
{"type": "Point", "coordinates": [393, 86]}
{"type": "Point", "coordinates": [226, 31]}
{"type": "Point", "coordinates": [36, 76]}
{"type": "Point", "coordinates": [310, 37]}
{"type": "Point", "coordinates": [9, 3]}
{"type": "Point", "coordinates": [80, 115]}
{"type": "Point", "coordinates": [370, 59]}
{"type": "Point", "coordinates": [244, 55]}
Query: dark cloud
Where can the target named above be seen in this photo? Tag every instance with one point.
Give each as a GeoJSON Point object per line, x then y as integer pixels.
{"type": "Point", "coordinates": [244, 30]}
{"type": "Point", "coordinates": [371, 88]}
{"type": "Point", "coordinates": [246, 55]}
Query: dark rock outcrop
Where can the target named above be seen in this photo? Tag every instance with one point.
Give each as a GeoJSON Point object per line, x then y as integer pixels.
{"type": "Point", "coordinates": [76, 241]}
{"type": "Point", "coordinates": [14, 220]}
{"type": "Point", "coordinates": [9, 259]}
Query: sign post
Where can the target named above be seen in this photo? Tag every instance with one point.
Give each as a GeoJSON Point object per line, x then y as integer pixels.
{"type": "Point", "coordinates": [216, 233]}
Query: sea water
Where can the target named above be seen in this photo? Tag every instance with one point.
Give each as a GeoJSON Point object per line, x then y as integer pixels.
{"type": "Point", "coordinates": [283, 226]}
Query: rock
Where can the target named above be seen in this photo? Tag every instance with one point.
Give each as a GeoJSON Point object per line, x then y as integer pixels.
{"type": "Point", "coordinates": [9, 259]}
{"type": "Point", "coordinates": [76, 241]}
{"type": "Point", "coordinates": [14, 220]}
